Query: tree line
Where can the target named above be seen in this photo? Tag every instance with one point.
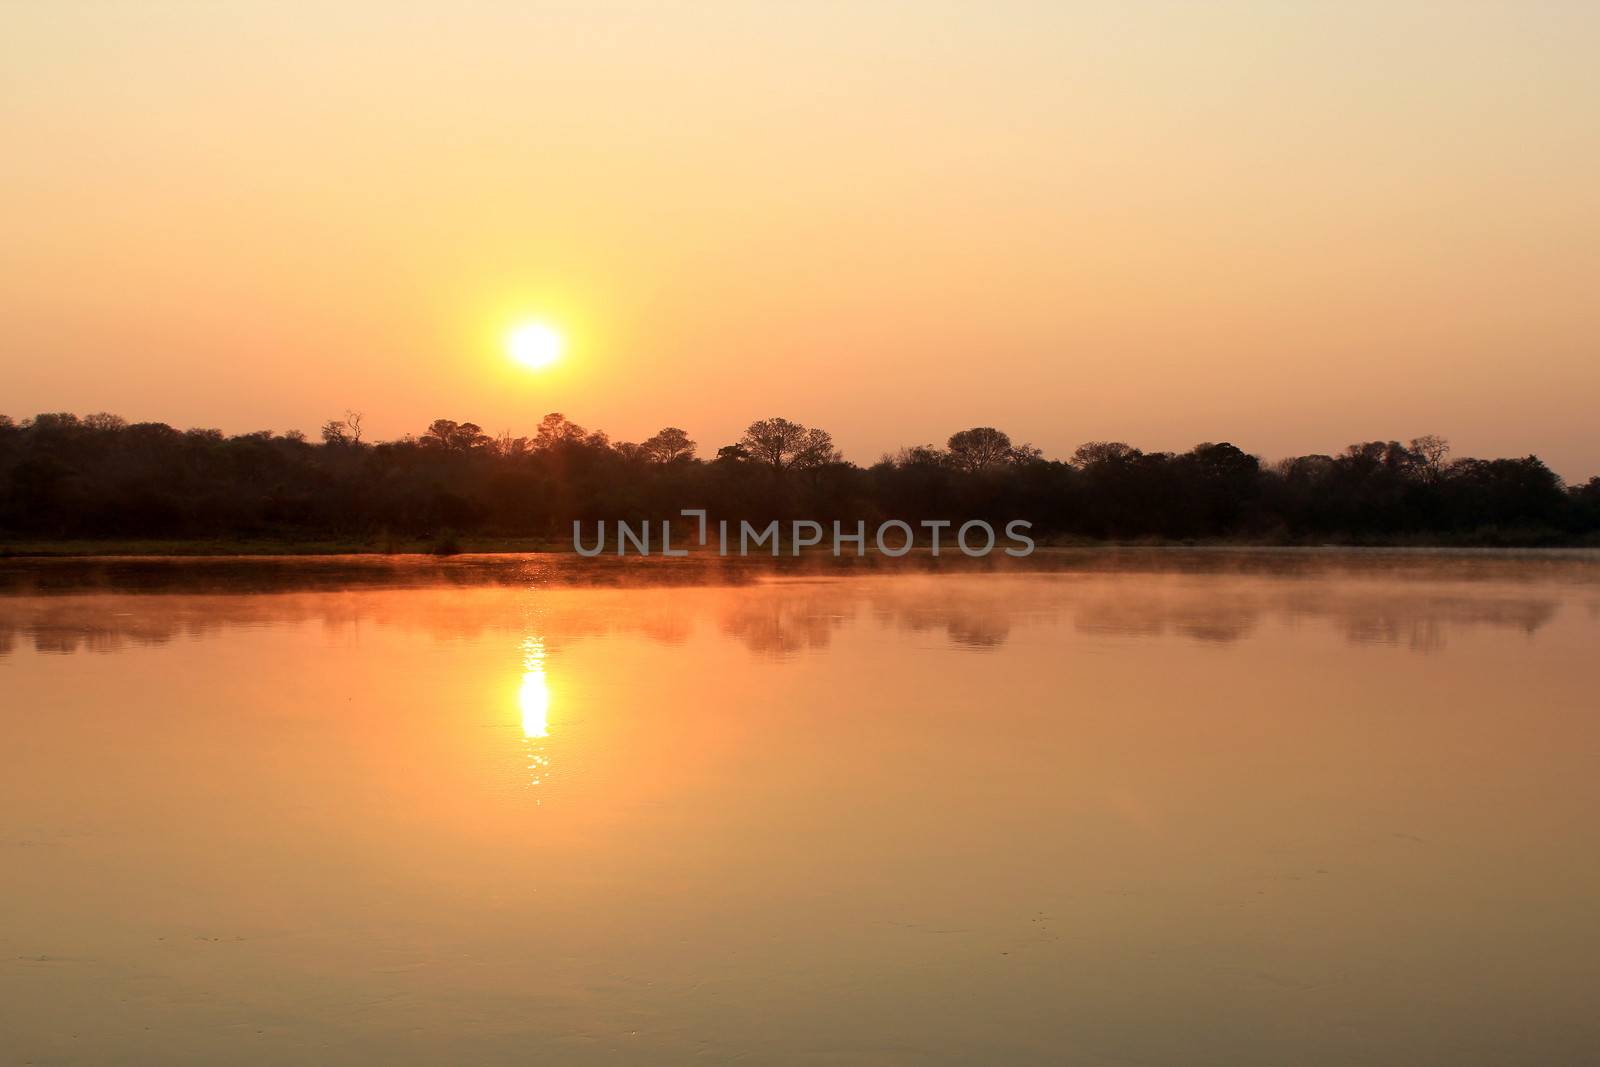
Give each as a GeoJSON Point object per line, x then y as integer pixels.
{"type": "Point", "coordinates": [99, 477]}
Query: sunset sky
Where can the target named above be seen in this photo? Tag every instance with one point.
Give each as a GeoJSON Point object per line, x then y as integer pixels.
{"type": "Point", "coordinates": [1289, 225]}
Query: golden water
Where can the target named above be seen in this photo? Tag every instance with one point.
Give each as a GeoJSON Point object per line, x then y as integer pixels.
{"type": "Point", "coordinates": [1147, 808]}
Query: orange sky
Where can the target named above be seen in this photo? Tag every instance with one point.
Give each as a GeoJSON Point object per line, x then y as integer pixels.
{"type": "Point", "coordinates": [1288, 225]}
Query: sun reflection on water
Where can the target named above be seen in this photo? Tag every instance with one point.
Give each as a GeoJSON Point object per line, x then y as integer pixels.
{"type": "Point", "coordinates": [534, 699]}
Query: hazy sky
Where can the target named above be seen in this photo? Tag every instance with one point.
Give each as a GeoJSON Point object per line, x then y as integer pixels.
{"type": "Point", "coordinates": [1289, 225]}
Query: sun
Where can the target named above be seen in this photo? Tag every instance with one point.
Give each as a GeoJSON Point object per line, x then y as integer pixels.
{"type": "Point", "coordinates": [533, 344]}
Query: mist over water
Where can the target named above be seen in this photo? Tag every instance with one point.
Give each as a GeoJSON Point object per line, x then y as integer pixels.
{"type": "Point", "coordinates": [1219, 807]}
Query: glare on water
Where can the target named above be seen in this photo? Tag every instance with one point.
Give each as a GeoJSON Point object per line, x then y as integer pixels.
{"type": "Point", "coordinates": [534, 696]}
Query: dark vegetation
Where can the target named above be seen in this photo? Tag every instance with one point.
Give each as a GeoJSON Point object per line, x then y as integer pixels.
{"type": "Point", "coordinates": [98, 477]}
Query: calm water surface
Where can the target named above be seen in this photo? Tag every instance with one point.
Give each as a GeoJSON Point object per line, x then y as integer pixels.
{"type": "Point", "coordinates": [1133, 808]}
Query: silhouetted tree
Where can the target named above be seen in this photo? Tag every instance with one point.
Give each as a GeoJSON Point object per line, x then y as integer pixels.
{"type": "Point", "coordinates": [455, 437]}
{"type": "Point", "coordinates": [1101, 452]}
{"type": "Point", "coordinates": [97, 476]}
{"type": "Point", "coordinates": [1430, 451]}
{"type": "Point", "coordinates": [916, 456]}
{"type": "Point", "coordinates": [979, 447]}
{"type": "Point", "coordinates": [668, 445]}
{"type": "Point", "coordinates": [784, 445]}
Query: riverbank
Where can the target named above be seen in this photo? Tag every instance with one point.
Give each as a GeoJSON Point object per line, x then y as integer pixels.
{"type": "Point", "coordinates": [440, 546]}
{"type": "Point", "coordinates": [449, 545]}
